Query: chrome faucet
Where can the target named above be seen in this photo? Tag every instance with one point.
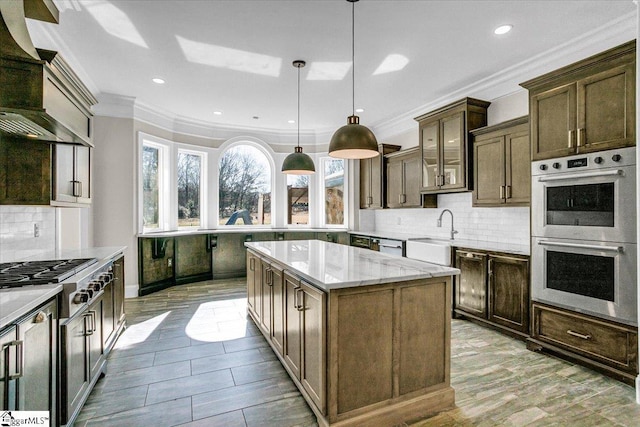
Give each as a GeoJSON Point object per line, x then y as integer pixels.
{"type": "Point", "coordinates": [453, 232]}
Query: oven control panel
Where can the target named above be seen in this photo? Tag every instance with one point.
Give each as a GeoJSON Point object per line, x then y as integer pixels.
{"type": "Point", "coordinates": [589, 161]}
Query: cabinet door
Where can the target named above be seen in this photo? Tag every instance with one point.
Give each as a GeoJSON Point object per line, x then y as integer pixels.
{"type": "Point", "coordinates": [313, 343]}
{"type": "Point", "coordinates": [518, 168]}
{"type": "Point", "coordinates": [25, 172]}
{"type": "Point", "coordinates": [266, 298]}
{"type": "Point", "coordinates": [193, 257]}
{"type": "Point", "coordinates": [429, 141]}
{"type": "Point", "coordinates": [553, 122]}
{"type": "Point", "coordinates": [412, 197]}
{"type": "Point", "coordinates": [453, 143]}
{"type": "Point", "coordinates": [95, 339]}
{"type": "Point", "coordinates": [118, 291]}
{"type": "Point", "coordinates": [64, 155]}
{"type": "Point", "coordinates": [75, 368]}
{"type": "Point", "coordinates": [82, 174]}
{"type": "Point", "coordinates": [470, 293]}
{"type": "Point", "coordinates": [277, 308]}
{"type": "Point", "coordinates": [509, 292]}
{"type": "Point", "coordinates": [376, 182]}
{"type": "Point", "coordinates": [108, 324]}
{"type": "Point", "coordinates": [293, 325]}
{"type": "Point", "coordinates": [39, 334]}
{"type": "Point", "coordinates": [365, 184]}
{"type": "Point", "coordinates": [229, 259]}
{"type": "Point", "coordinates": [253, 274]}
{"type": "Point", "coordinates": [159, 268]}
{"type": "Point", "coordinates": [489, 171]}
{"type": "Point", "coordinates": [394, 183]}
{"type": "Point", "coordinates": [606, 109]}
{"type": "Point", "coordinates": [8, 366]}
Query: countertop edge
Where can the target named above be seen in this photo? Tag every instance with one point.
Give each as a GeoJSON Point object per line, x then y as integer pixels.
{"type": "Point", "coordinates": [10, 318]}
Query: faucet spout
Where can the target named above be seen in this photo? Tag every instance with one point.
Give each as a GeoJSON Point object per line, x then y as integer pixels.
{"type": "Point", "coordinates": [453, 232]}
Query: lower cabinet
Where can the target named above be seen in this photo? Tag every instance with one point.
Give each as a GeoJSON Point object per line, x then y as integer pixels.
{"type": "Point", "coordinates": [228, 251]}
{"type": "Point", "coordinates": [607, 346]}
{"type": "Point", "coordinates": [493, 288]}
{"type": "Point", "coordinates": [28, 361]}
{"type": "Point", "coordinates": [82, 358]}
{"type": "Point", "coordinates": [156, 263]}
{"type": "Point", "coordinates": [193, 258]}
{"type": "Point", "coordinates": [254, 283]}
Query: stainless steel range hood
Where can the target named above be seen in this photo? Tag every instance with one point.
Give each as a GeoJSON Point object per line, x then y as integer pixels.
{"type": "Point", "coordinates": [40, 95]}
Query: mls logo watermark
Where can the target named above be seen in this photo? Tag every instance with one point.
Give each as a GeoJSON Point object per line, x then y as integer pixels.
{"type": "Point", "coordinates": [24, 418]}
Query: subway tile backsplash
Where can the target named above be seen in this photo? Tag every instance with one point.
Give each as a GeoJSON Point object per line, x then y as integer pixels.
{"type": "Point", "coordinates": [503, 225]}
{"type": "Point", "coordinates": [17, 239]}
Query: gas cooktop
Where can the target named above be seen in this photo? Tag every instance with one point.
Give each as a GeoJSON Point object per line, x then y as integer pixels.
{"type": "Point", "coordinates": [15, 274]}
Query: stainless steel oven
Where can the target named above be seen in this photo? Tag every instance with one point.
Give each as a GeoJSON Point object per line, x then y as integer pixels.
{"type": "Point", "coordinates": [583, 226]}
{"type": "Point", "coordinates": [589, 196]}
{"type": "Point", "coordinates": [593, 277]}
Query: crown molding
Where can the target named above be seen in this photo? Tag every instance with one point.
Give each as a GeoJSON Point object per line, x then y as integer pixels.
{"type": "Point", "coordinates": [506, 81]}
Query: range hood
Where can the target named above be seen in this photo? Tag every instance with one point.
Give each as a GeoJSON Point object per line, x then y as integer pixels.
{"type": "Point", "coordinates": [41, 98]}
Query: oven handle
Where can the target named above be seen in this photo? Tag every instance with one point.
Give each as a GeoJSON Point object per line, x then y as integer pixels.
{"type": "Point", "coordinates": [580, 175]}
{"type": "Point", "coordinates": [582, 246]}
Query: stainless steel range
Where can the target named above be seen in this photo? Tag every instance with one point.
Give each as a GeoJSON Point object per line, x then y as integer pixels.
{"type": "Point", "coordinates": [90, 278]}
{"type": "Point", "coordinates": [583, 227]}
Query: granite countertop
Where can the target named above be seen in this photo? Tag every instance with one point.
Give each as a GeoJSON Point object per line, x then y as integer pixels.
{"type": "Point", "coordinates": [333, 266]}
{"type": "Point", "coordinates": [16, 302]}
{"type": "Point", "coordinates": [243, 230]}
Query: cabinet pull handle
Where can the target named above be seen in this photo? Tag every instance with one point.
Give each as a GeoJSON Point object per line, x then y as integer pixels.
{"type": "Point", "coordinates": [579, 335]}
{"type": "Point", "coordinates": [267, 277]}
{"type": "Point", "coordinates": [300, 306]}
{"type": "Point", "coordinates": [369, 200]}
{"type": "Point", "coordinates": [502, 192]}
{"type": "Point", "coordinates": [252, 265]}
{"type": "Point", "coordinates": [19, 345]}
{"type": "Point", "coordinates": [508, 190]}
{"type": "Point", "coordinates": [490, 267]}
{"type": "Point", "coordinates": [580, 138]}
{"type": "Point", "coordinates": [570, 141]}
{"type": "Point", "coordinates": [88, 328]}
{"type": "Point", "coordinates": [77, 188]}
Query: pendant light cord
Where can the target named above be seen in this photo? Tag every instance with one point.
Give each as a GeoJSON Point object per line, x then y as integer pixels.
{"type": "Point", "coordinates": [298, 107]}
{"type": "Point", "coordinates": [353, 61]}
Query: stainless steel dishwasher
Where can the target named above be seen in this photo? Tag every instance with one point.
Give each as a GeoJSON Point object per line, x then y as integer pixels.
{"type": "Point", "coordinates": [391, 246]}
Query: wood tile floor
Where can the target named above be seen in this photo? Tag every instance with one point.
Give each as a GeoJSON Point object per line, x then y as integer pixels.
{"type": "Point", "coordinates": [191, 357]}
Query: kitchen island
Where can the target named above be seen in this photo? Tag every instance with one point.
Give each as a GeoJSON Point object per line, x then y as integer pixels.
{"type": "Point", "coordinates": [365, 336]}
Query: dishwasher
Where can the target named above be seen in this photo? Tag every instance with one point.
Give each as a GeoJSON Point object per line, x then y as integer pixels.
{"type": "Point", "coordinates": [389, 246]}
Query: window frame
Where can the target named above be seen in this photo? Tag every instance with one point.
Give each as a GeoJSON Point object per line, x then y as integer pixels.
{"type": "Point", "coordinates": [189, 150]}
{"type": "Point", "coordinates": [310, 198]}
{"type": "Point", "coordinates": [164, 150]}
{"type": "Point", "coordinates": [321, 194]}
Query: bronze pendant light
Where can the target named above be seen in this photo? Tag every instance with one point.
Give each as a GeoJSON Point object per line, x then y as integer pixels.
{"type": "Point", "coordinates": [298, 163]}
{"type": "Point", "coordinates": [353, 141]}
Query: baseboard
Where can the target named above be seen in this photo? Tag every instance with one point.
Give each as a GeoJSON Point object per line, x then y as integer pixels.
{"type": "Point", "coordinates": [131, 291]}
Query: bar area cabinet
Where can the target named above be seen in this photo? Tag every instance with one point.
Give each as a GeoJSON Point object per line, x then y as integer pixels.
{"type": "Point", "coordinates": [445, 148]}
{"type": "Point", "coordinates": [373, 173]}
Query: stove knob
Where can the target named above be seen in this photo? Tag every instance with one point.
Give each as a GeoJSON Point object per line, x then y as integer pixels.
{"type": "Point", "coordinates": [556, 165]}
{"type": "Point", "coordinates": [80, 297]}
{"type": "Point", "coordinates": [95, 286]}
{"type": "Point", "coordinates": [598, 160]}
{"type": "Point", "coordinates": [543, 167]}
{"type": "Point", "coordinates": [106, 278]}
{"type": "Point", "coordinates": [89, 292]}
{"type": "Point", "coordinates": [616, 157]}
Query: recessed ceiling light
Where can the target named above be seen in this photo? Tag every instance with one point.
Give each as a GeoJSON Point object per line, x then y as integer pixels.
{"type": "Point", "coordinates": [217, 113]}
{"type": "Point", "coordinates": [291, 121]}
{"type": "Point", "coordinates": [256, 117]}
{"type": "Point", "coordinates": [359, 110]}
{"type": "Point", "coordinates": [158, 80]}
{"type": "Point", "coordinates": [503, 29]}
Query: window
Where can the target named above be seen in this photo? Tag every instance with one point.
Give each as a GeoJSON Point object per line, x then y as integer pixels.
{"type": "Point", "coordinates": [152, 194]}
{"type": "Point", "coordinates": [297, 199]}
{"type": "Point", "coordinates": [190, 166]}
{"type": "Point", "coordinates": [334, 191]}
{"type": "Point", "coordinates": [244, 187]}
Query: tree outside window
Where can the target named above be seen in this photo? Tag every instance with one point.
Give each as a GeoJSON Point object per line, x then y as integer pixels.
{"type": "Point", "coordinates": [150, 187]}
{"type": "Point", "coordinates": [334, 191]}
{"type": "Point", "coordinates": [189, 180]}
{"type": "Point", "coordinates": [244, 187]}
{"type": "Point", "coordinates": [298, 199]}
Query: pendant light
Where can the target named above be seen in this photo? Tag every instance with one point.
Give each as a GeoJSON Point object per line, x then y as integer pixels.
{"type": "Point", "coordinates": [353, 141]}
{"type": "Point", "coordinates": [298, 163]}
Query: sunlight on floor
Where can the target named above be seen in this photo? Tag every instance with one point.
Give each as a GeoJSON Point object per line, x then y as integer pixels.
{"type": "Point", "coordinates": [135, 334]}
{"type": "Point", "coordinates": [219, 321]}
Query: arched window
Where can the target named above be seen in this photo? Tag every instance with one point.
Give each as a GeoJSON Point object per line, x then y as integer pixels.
{"type": "Point", "coordinates": [244, 187]}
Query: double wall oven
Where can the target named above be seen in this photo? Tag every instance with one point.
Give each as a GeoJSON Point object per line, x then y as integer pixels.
{"type": "Point", "coordinates": [583, 230]}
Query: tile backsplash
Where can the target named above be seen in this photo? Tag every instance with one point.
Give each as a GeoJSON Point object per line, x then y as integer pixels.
{"type": "Point", "coordinates": [17, 239]}
{"type": "Point", "coordinates": [503, 225]}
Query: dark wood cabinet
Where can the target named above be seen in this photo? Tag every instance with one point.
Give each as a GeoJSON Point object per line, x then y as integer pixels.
{"type": "Point", "coordinates": [604, 345]}
{"type": "Point", "coordinates": [277, 307]}
{"type": "Point", "coordinates": [28, 362]}
{"type": "Point", "coordinates": [25, 172]}
{"type": "Point", "coordinates": [156, 261]}
{"type": "Point", "coordinates": [266, 298]}
{"type": "Point", "coordinates": [118, 293]}
{"type": "Point", "coordinates": [113, 305]}
{"type": "Point", "coordinates": [403, 179]}
{"type": "Point", "coordinates": [372, 178]}
{"type": "Point", "coordinates": [445, 150]}
{"type": "Point", "coordinates": [493, 288]}
{"type": "Point", "coordinates": [254, 285]}
{"type": "Point", "coordinates": [586, 106]}
{"type": "Point", "coordinates": [193, 258]}
{"type": "Point", "coordinates": [502, 164]}
{"type": "Point", "coordinates": [293, 326]}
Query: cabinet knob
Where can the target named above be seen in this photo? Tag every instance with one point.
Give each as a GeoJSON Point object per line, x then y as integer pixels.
{"type": "Point", "coordinates": [543, 167]}
{"type": "Point", "coordinates": [40, 317]}
{"type": "Point", "coordinates": [556, 165]}
{"type": "Point", "coordinates": [616, 157]}
{"type": "Point", "coordinates": [598, 160]}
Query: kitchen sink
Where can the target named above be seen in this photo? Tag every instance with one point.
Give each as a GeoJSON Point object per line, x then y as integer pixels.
{"type": "Point", "coordinates": [430, 250]}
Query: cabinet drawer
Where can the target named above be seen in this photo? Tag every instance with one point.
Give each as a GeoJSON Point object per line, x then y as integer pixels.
{"type": "Point", "coordinates": [614, 345]}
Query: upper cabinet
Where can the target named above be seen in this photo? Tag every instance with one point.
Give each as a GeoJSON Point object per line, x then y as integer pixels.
{"type": "Point", "coordinates": [587, 106]}
{"type": "Point", "coordinates": [72, 175]}
{"type": "Point", "coordinates": [372, 178]}
{"type": "Point", "coordinates": [444, 145]}
{"type": "Point", "coordinates": [403, 179]}
{"type": "Point", "coordinates": [502, 165]}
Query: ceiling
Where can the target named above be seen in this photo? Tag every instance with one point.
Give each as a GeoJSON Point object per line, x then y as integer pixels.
{"type": "Point", "coordinates": [236, 56]}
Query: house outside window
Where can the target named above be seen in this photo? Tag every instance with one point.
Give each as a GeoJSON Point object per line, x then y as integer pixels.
{"type": "Point", "coordinates": [244, 187]}
{"type": "Point", "coordinates": [333, 171]}
{"type": "Point", "coordinates": [298, 199]}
